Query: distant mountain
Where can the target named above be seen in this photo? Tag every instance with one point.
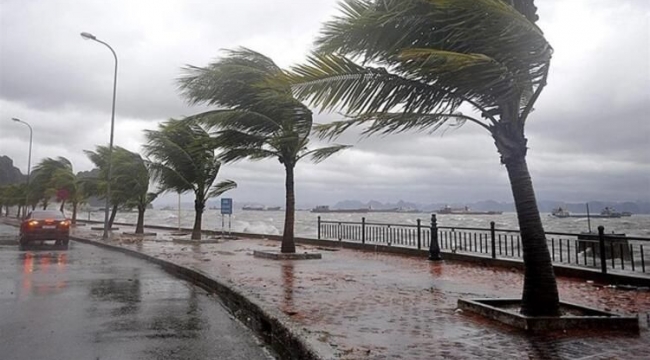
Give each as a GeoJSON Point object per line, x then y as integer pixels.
{"type": "Point", "coordinates": [9, 174]}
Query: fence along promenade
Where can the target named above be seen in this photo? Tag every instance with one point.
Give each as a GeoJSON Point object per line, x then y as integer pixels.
{"type": "Point", "coordinates": [605, 252]}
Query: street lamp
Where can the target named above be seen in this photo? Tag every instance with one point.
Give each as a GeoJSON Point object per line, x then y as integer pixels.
{"type": "Point", "coordinates": [29, 161]}
{"type": "Point", "coordinates": [88, 36]}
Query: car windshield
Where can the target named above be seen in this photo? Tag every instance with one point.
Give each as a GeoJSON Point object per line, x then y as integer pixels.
{"type": "Point", "coordinates": [47, 214]}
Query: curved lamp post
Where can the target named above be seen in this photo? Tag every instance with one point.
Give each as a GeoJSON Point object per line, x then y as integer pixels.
{"type": "Point", "coordinates": [88, 36]}
{"type": "Point", "coordinates": [29, 161]}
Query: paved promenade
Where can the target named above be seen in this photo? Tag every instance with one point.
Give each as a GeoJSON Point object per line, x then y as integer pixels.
{"type": "Point", "coordinates": [364, 305]}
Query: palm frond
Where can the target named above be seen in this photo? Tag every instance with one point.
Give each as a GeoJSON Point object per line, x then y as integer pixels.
{"type": "Point", "coordinates": [495, 51]}
{"type": "Point", "coordinates": [318, 155]}
{"type": "Point", "coordinates": [170, 179]}
{"type": "Point", "coordinates": [331, 81]}
{"type": "Point", "coordinates": [386, 123]}
{"type": "Point", "coordinates": [242, 120]}
{"type": "Point", "coordinates": [236, 154]}
{"type": "Point", "coordinates": [221, 187]}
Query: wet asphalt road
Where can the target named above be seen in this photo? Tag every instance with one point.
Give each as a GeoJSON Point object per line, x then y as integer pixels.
{"type": "Point", "coordinates": [91, 303]}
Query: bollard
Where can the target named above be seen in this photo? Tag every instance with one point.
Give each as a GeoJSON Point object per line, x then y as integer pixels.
{"type": "Point", "coordinates": [493, 235]}
{"type": "Point", "coordinates": [363, 230]}
{"type": "Point", "coordinates": [601, 243]}
{"type": "Point", "coordinates": [434, 248]}
{"type": "Point", "coordinates": [319, 228]}
{"type": "Point", "coordinates": [419, 234]}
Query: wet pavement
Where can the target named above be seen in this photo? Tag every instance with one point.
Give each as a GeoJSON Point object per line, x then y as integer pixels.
{"type": "Point", "coordinates": [364, 305]}
{"type": "Point", "coordinates": [92, 303]}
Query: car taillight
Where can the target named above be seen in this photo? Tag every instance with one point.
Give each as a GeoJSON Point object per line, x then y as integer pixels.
{"type": "Point", "coordinates": [32, 223]}
{"type": "Point", "coordinates": [64, 223]}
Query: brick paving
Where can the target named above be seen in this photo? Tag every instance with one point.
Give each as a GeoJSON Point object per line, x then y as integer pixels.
{"type": "Point", "coordinates": [364, 305]}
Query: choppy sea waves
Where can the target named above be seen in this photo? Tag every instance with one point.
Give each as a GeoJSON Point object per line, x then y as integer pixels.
{"type": "Point", "coordinates": [272, 222]}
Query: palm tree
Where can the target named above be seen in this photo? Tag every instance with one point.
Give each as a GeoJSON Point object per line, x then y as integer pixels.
{"type": "Point", "coordinates": [43, 180]}
{"type": "Point", "coordinates": [133, 178]}
{"type": "Point", "coordinates": [182, 160]}
{"type": "Point", "coordinates": [428, 58]}
{"type": "Point", "coordinates": [123, 185]}
{"type": "Point", "coordinates": [258, 117]}
{"type": "Point", "coordinates": [76, 189]}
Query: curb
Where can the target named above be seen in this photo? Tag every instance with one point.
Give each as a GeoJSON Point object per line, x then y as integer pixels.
{"type": "Point", "coordinates": [285, 342]}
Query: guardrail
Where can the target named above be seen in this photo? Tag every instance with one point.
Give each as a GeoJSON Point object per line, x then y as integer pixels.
{"type": "Point", "coordinates": [603, 251]}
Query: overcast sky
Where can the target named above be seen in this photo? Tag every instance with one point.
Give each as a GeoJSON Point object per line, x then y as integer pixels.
{"type": "Point", "coordinates": [589, 137]}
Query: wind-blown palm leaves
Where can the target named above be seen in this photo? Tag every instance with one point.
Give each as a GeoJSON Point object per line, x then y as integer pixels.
{"type": "Point", "coordinates": [132, 175]}
{"type": "Point", "coordinates": [182, 159]}
{"type": "Point", "coordinates": [258, 117]}
{"type": "Point", "coordinates": [125, 174]}
{"type": "Point", "coordinates": [397, 65]}
{"type": "Point", "coordinates": [43, 182]}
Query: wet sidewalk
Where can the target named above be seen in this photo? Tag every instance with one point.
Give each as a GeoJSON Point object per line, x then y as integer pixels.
{"type": "Point", "coordinates": [365, 305]}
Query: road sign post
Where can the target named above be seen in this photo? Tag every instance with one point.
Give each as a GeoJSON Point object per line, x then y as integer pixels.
{"type": "Point", "coordinates": [226, 209]}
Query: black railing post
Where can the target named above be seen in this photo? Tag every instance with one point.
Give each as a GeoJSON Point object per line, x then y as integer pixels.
{"type": "Point", "coordinates": [363, 230]}
{"type": "Point", "coordinates": [601, 241]}
{"type": "Point", "coordinates": [319, 228]}
{"type": "Point", "coordinates": [419, 234]}
{"type": "Point", "coordinates": [493, 236]}
{"type": "Point", "coordinates": [340, 233]}
{"type": "Point", "coordinates": [434, 248]}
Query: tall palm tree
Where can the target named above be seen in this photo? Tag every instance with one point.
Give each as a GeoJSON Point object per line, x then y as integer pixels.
{"type": "Point", "coordinates": [182, 160]}
{"type": "Point", "coordinates": [397, 65]}
{"type": "Point", "coordinates": [258, 117]}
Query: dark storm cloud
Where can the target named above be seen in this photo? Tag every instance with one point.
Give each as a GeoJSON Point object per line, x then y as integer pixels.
{"type": "Point", "coordinates": [589, 134]}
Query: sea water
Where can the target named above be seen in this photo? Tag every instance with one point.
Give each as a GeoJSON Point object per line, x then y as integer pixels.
{"type": "Point", "coordinates": [306, 222]}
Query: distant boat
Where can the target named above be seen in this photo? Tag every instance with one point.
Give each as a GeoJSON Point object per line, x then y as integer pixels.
{"type": "Point", "coordinates": [326, 209]}
{"type": "Point", "coordinates": [561, 213]}
{"type": "Point", "coordinates": [465, 211]}
{"type": "Point", "coordinates": [253, 208]}
{"type": "Point", "coordinates": [261, 208]}
{"type": "Point", "coordinates": [610, 213]}
{"type": "Point", "coordinates": [605, 214]}
{"type": "Point", "coordinates": [626, 213]}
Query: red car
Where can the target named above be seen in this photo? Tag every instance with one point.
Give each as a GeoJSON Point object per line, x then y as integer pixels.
{"type": "Point", "coordinates": [41, 225]}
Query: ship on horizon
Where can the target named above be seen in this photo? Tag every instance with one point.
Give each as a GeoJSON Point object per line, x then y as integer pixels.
{"type": "Point", "coordinates": [465, 211]}
{"type": "Point", "coordinates": [261, 208]}
{"type": "Point", "coordinates": [326, 209]}
{"type": "Point", "coordinates": [606, 213]}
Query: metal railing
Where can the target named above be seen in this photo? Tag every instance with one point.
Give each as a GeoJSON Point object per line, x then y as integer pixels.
{"type": "Point", "coordinates": [603, 251]}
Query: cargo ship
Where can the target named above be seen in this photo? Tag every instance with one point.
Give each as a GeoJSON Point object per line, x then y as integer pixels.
{"type": "Point", "coordinates": [465, 211]}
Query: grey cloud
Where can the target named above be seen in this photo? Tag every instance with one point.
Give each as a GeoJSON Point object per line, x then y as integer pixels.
{"type": "Point", "coordinates": [588, 137]}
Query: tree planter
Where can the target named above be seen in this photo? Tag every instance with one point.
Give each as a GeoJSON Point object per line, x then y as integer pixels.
{"type": "Point", "coordinates": [573, 316]}
{"type": "Point", "coordinates": [277, 255]}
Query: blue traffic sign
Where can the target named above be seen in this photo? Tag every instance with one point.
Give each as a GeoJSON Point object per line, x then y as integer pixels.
{"type": "Point", "coordinates": [226, 206]}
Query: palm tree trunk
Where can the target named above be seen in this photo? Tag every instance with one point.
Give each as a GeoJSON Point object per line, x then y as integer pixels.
{"type": "Point", "coordinates": [288, 245]}
{"type": "Point", "coordinates": [74, 212]}
{"type": "Point", "coordinates": [540, 294]}
{"type": "Point", "coordinates": [139, 227]}
{"type": "Point", "coordinates": [198, 217]}
{"type": "Point", "coordinates": [62, 205]}
{"type": "Point", "coordinates": [112, 218]}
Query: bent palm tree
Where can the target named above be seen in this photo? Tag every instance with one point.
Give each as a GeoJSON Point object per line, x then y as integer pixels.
{"type": "Point", "coordinates": [430, 57]}
{"type": "Point", "coordinates": [182, 160]}
{"type": "Point", "coordinates": [45, 173]}
{"type": "Point", "coordinates": [132, 178]}
{"type": "Point", "coordinates": [259, 118]}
